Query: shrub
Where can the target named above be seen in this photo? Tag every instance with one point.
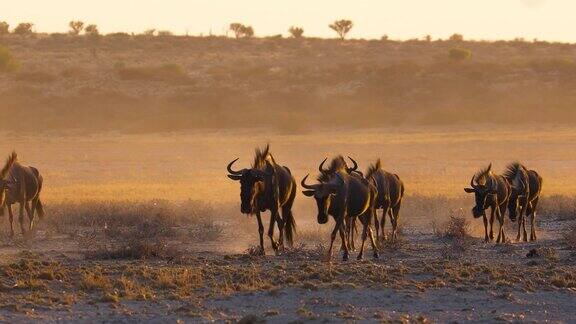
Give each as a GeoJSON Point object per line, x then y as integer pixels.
{"type": "Point", "coordinates": [4, 28]}
{"type": "Point", "coordinates": [459, 54]}
{"type": "Point", "coordinates": [296, 32]}
{"type": "Point", "coordinates": [75, 27]}
{"type": "Point", "coordinates": [164, 33]}
{"type": "Point", "coordinates": [7, 61]}
{"type": "Point", "coordinates": [92, 30]}
{"type": "Point", "coordinates": [456, 38]}
{"type": "Point", "coordinates": [342, 27]}
{"type": "Point", "coordinates": [23, 29]}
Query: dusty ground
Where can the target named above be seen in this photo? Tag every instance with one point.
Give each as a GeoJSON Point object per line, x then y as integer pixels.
{"type": "Point", "coordinates": [424, 277]}
{"type": "Point", "coordinates": [84, 264]}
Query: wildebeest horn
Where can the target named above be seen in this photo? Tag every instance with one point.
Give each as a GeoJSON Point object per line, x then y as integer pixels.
{"type": "Point", "coordinates": [230, 168]}
{"type": "Point", "coordinates": [472, 183]}
{"type": "Point", "coordinates": [304, 185]}
{"type": "Point", "coordinates": [321, 166]}
{"type": "Point", "coordinates": [354, 167]}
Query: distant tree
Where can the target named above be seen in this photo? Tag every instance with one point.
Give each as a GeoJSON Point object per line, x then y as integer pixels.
{"type": "Point", "coordinates": [342, 27]}
{"type": "Point", "coordinates": [248, 31]}
{"type": "Point", "coordinates": [23, 29]}
{"type": "Point", "coordinates": [149, 32]}
{"type": "Point", "coordinates": [91, 30]}
{"type": "Point", "coordinates": [459, 54]}
{"type": "Point", "coordinates": [456, 38]}
{"type": "Point", "coordinates": [296, 32]}
{"type": "Point", "coordinates": [384, 38]}
{"type": "Point", "coordinates": [4, 28]}
{"type": "Point", "coordinates": [75, 27]}
{"type": "Point", "coordinates": [241, 31]}
{"type": "Point", "coordinates": [428, 38]}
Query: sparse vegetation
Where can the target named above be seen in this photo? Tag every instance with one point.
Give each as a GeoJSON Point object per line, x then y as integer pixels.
{"type": "Point", "coordinates": [456, 38]}
{"type": "Point", "coordinates": [342, 27]}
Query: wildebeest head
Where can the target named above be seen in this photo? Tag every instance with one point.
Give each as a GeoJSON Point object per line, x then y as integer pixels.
{"type": "Point", "coordinates": [6, 181]}
{"type": "Point", "coordinates": [482, 191]}
{"type": "Point", "coordinates": [323, 193]}
{"type": "Point", "coordinates": [252, 183]}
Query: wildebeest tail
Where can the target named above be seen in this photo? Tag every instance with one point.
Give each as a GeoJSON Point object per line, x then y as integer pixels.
{"type": "Point", "coordinates": [40, 208]}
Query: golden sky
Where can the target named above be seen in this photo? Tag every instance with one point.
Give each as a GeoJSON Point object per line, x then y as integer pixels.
{"type": "Point", "coordinates": [400, 19]}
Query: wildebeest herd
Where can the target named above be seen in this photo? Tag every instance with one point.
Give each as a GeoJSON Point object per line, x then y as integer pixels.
{"type": "Point", "coordinates": [340, 191]}
{"type": "Point", "coordinates": [347, 194]}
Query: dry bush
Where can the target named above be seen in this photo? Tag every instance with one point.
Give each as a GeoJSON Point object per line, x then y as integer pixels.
{"type": "Point", "coordinates": [68, 215]}
{"type": "Point", "coordinates": [23, 29]}
{"type": "Point", "coordinates": [4, 28]}
{"type": "Point", "coordinates": [7, 61]}
{"type": "Point", "coordinates": [459, 54]}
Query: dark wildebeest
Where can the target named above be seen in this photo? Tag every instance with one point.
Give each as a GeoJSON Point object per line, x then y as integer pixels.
{"type": "Point", "coordinates": [526, 186]}
{"type": "Point", "coordinates": [390, 193]}
{"type": "Point", "coordinates": [344, 196]}
{"type": "Point", "coordinates": [491, 191]}
{"type": "Point", "coordinates": [22, 185]}
{"type": "Point", "coordinates": [268, 186]}
{"type": "Point", "coordinates": [339, 164]}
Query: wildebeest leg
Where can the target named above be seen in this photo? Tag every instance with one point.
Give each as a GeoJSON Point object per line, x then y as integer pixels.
{"type": "Point", "coordinates": [485, 219]}
{"type": "Point", "coordinates": [376, 223]}
{"type": "Point", "coordinates": [21, 217]}
{"type": "Point", "coordinates": [520, 221]}
{"type": "Point", "coordinates": [350, 227]}
{"type": "Point", "coordinates": [30, 213]}
{"type": "Point", "coordinates": [274, 216]}
{"type": "Point", "coordinates": [11, 219]}
{"type": "Point", "coordinates": [525, 235]}
{"type": "Point", "coordinates": [337, 227]}
{"type": "Point", "coordinates": [344, 243]}
{"type": "Point", "coordinates": [365, 222]}
{"type": "Point", "coordinates": [396, 218]}
{"type": "Point", "coordinates": [501, 235]}
{"type": "Point", "coordinates": [261, 232]}
{"type": "Point", "coordinates": [532, 211]}
{"type": "Point", "coordinates": [385, 212]}
{"type": "Point", "coordinates": [492, 210]}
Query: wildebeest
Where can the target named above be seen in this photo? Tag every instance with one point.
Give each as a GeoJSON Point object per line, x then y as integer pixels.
{"type": "Point", "coordinates": [268, 186]}
{"type": "Point", "coordinates": [526, 186]}
{"type": "Point", "coordinates": [339, 164]}
{"type": "Point", "coordinates": [491, 191]}
{"type": "Point", "coordinates": [344, 196]}
{"type": "Point", "coordinates": [390, 193]}
{"type": "Point", "coordinates": [22, 185]}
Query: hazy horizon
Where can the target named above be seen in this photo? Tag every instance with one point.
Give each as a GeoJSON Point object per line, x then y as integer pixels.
{"type": "Point", "coordinates": [487, 20]}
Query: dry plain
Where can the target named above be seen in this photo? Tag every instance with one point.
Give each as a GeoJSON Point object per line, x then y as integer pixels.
{"type": "Point", "coordinates": [147, 227]}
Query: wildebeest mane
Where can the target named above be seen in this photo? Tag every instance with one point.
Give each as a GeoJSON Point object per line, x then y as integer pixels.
{"type": "Point", "coordinates": [512, 170]}
{"type": "Point", "coordinates": [373, 168]}
{"type": "Point", "coordinates": [338, 163]}
{"type": "Point", "coordinates": [9, 163]}
{"type": "Point", "coordinates": [261, 156]}
{"type": "Point", "coordinates": [482, 176]}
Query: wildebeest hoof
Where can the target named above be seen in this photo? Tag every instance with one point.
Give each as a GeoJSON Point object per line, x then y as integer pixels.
{"type": "Point", "coordinates": [376, 256]}
{"type": "Point", "coordinates": [359, 257]}
{"type": "Point", "coordinates": [345, 257]}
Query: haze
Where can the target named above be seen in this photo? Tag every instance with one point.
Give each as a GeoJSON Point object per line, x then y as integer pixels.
{"type": "Point", "coordinates": [399, 19]}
